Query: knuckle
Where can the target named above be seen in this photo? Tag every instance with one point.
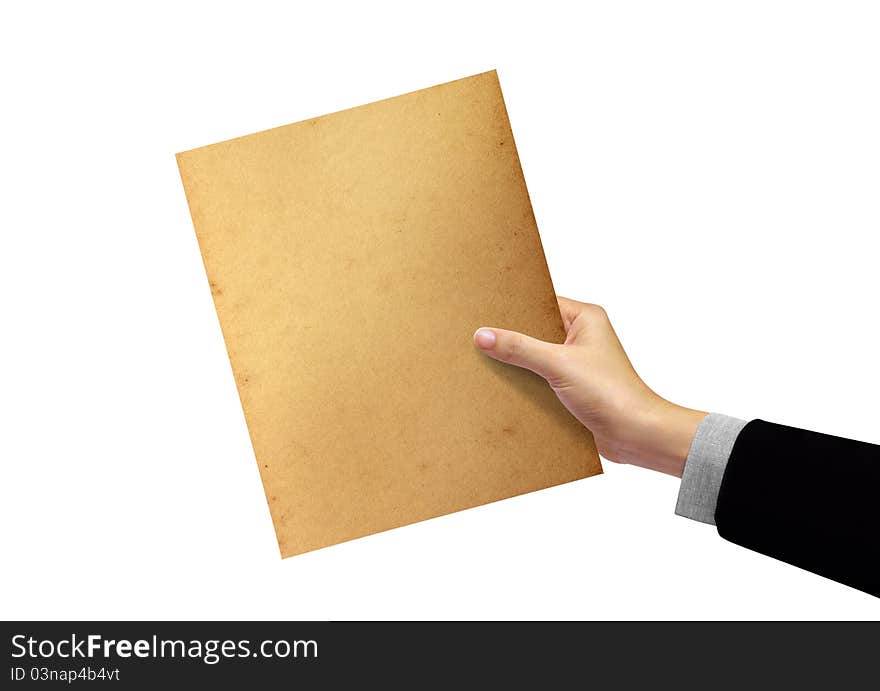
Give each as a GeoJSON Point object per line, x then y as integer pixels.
{"type": "Point", "coordinates": [597, 312]}
{"type": "Point", "coordinates": [514, 347]}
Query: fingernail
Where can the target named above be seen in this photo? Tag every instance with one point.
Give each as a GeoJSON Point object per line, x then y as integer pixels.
{"type": "Point", "coordinates": [485, 339]}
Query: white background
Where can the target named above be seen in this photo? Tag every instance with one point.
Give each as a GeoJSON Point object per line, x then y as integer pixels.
{"type": "Point", "coordinates": [709, 172]}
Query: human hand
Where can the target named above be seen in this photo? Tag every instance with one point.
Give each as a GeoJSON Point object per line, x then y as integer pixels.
{"type": "Point", "coordinates": [593, 377]}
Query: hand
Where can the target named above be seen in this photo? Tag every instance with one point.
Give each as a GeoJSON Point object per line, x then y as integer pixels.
{"type": "Point", "coordinates": [593, 377]}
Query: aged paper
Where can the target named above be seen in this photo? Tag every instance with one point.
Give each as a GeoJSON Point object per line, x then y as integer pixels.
{"type": "Point", "coordinates": [351, 257]}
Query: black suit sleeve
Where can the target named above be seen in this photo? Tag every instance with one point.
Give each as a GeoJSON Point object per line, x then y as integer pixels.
{"type": "Point", "coordinates": [805, 498]}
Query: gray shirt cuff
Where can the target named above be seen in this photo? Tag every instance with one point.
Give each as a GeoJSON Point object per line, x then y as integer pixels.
{"type": "Point", "coordinates": [704, 467]}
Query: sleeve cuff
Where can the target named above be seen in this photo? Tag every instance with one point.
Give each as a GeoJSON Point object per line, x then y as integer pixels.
{"type": "Point", "coordinates": [704, 467]}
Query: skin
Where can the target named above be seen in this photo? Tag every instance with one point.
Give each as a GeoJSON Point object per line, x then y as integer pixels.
{"type": "Point", "coordinates": [593, 377]}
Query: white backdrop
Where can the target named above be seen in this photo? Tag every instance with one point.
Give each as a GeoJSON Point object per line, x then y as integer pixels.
{"type": "Point", "coordinates": [706, 171]}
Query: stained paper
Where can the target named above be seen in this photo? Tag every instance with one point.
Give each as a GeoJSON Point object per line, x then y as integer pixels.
{"type": "Point", "coordinates": [350, 258]}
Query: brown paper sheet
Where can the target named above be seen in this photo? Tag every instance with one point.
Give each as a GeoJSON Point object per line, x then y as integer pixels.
{"type": "Point", "coordinates": [351, 257]}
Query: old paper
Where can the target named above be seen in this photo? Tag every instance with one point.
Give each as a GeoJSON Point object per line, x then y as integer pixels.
{"type": "Point", "coordinates": [351, 257]}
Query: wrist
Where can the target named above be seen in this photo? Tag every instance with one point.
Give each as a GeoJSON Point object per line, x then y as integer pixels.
{"type": "Point", "coordinates": [667, 431]}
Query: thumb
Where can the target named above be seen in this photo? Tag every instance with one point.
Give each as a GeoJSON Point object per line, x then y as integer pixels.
{"type": "Point", "coordinates": [520, 350]}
